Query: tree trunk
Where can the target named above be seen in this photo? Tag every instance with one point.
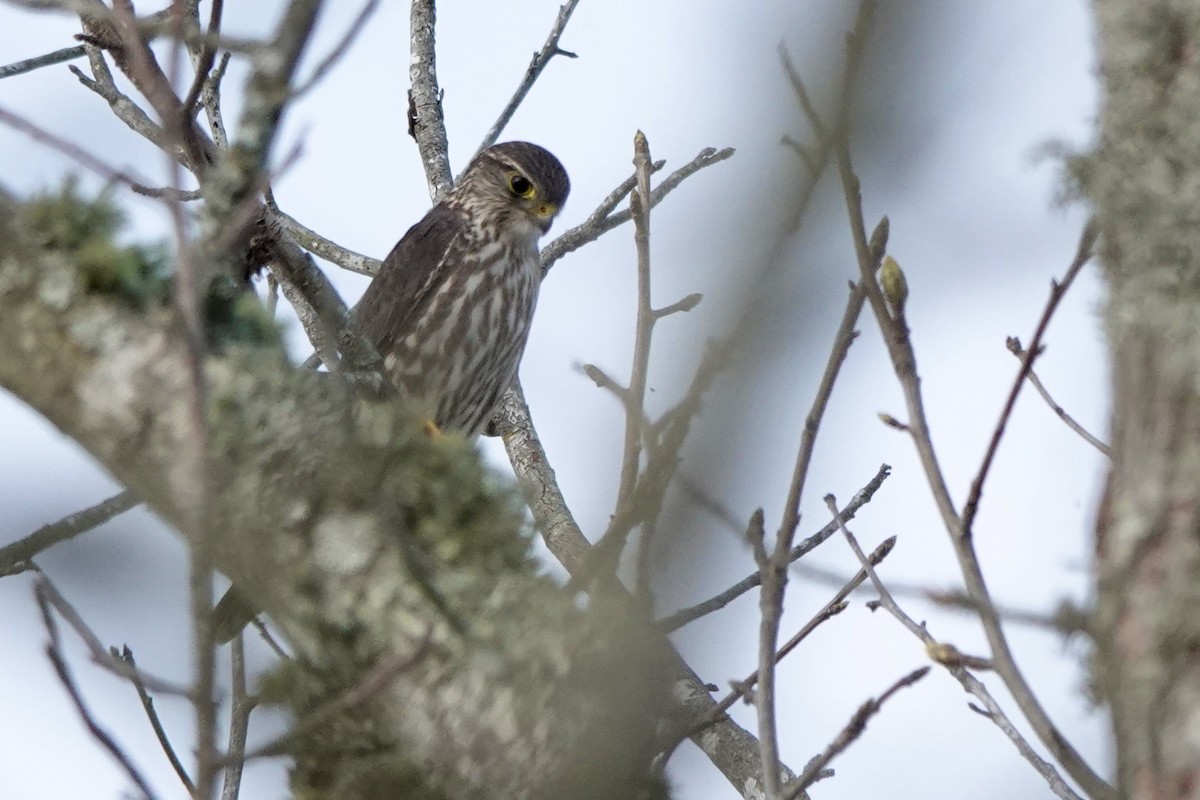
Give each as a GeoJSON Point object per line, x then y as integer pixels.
{"type": "Point", "coordinates": [1144, 180]}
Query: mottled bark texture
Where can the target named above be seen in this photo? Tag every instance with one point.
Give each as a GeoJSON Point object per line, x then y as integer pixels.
{"type": "Point", "coordinates": [1144, 181]}
{"type": "Point", "coordinates": [395, 564]}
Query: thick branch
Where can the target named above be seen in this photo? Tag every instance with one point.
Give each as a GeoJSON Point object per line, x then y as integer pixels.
{"type": "Point", "coordinates": [357, 533]}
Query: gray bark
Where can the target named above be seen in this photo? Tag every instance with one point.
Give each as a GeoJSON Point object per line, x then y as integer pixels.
{"type": "Point", "coordinates": [1144, 180]}
{"type": "Point", "coordinates": [394, 565]}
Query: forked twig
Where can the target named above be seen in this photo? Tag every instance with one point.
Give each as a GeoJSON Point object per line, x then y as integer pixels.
{"type": "Point", "coordinates": [958, 670]}
{"type": "Point", "coordinates": [1014, 347]}
{"type": "Point", "coordinates": [1083, 254]}
{"type": "Point", "coordinates": [54, 653]}
{"type": "Point", "coordinates": [854, 728]}
{"type": "Point", "coordinates": [835, 606]}
{"type": "Point", "coordinates": [900, 351]}
{"type": "Point", "coordinates": [540, 59]}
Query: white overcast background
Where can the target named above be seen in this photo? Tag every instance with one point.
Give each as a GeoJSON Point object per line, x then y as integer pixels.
{"type": "Point", "coordinates": [957, 101]}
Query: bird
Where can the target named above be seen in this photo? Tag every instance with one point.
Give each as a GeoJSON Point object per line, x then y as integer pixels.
{"type": "Point", "coordinates": [450, 308]}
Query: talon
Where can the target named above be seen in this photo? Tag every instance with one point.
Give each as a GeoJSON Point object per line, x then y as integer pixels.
{"type": "Point", "coordinates": [431, 429]}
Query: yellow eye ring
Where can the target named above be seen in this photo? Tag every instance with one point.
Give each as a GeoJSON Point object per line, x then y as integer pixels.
{"type": "Point", "coordinates": [520, 185]}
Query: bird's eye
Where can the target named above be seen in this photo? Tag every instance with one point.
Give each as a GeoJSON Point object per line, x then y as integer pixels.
{"type": "Point", "coordinates": [520, 186]}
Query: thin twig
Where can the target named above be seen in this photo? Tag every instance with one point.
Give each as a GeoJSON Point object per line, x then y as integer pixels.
{"type": "Point", "coordinates": [205, 54]}
{"type": "Point", "coordinates": [903, 359]}
{"type": "Point", "coordinates": [835, 606]}
{"type": "Point", "coordinates": [540, 59]}
{"type": "Point", "coordinates": [1014, 347]}
{"type": "Point", "coordinates": [885, 597]}
{"type": "Point", "coordinates": [681, 306]}
{"type": "Point", "coordinates": [597, 225]}
{"type": "Point", "coordinates": [37, 62]}
{"type": "Point", "coordinates": [339, 50]}
{"type": "Point", "coordinates": [77, 153]}
{"type": "Point", "coordinates": [12, 556]}
{"type": "Point", "coordinates": [160, 733]}
{"type": "Point", "coordinates": [635, 394]}
{"type": "Point", "coordinates": [101, 655]}
{"type": "Point", "coordinates": [265, 633]}
{"type": "Point", "coordinates": [861, 498]}
{"type": "Point", "coordinates": [664, 444]}
{"type": "Point", "coordinates": [774, 566]}
{"type": "Point", "coordinates": [54, 653]}
{"type": "Point", "coordinates": [239, 722]}
{"type": "Point", "coordinates": [187, 295]}
{"type": "Point", "coordinates": [968, 681]}
{"type": "Point", "coordinates": [854, 728]}
{"type": "Point", "coordinates": [1083, 254]}
{"type": "Point", "coordinates": [606, 382]}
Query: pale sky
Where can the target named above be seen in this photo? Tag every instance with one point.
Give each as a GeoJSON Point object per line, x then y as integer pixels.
{"type": "Point", "coordinates": [957, 102]}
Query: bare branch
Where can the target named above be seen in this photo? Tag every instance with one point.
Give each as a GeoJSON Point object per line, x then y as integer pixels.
{"type": "Point", "coordinates": [205, 54]}
{"type": "Point", "coordinates": [679, 306]}
{"type": "Point", "coordinates": [160, 733]}
{"type": "Point", "coordinates": [635, 395]}
{"type": "Point", "coordinates": [37, 62]}
{"type": "Point", "coordinates": [969, 682]}
{"type": "Point", "coordinates": [1083, 254]}
{"type": "Point", "coordinates": [122, 106]}
{"type": "Point", "coordinates": [210, 96]}
{"type": "Point", "coordinates": [773, 569]}
{"type": "Point", "coordinates": [729, 746]}
{"type": "Point", "coordinates": [684, 616]}
{"type": "Point", "coordinates": [597, 225]}
{"type": "Point", "coordinates": [100, 655]}
{"type": "Point", "coordinates": [428, 127]}
{"type": "Point", "coordinates": [553, 517]}
{"type": "Point", "coordinates": [1014, 347]}
{"type": "Point", "coordinates": [604, 381]}
{"type": "Point", "coordinates": [318, 245]}
{"type": "Point", "coordinates": [13, 556]}
{"type": "Point", "coordinates": [831, 609]}
{"type": "Point", "coordinates": [854, 728]}
{"type": "Point", "coordinates": [540, 59]}
{"type": "Point", "coordinates": [339, 50]}
{"type": "Point", "coordinates": [895, 335]}
{"type": "Point", "coordinates": [239, 721]}
{"type": "Point", "coordinates": [54, 653]}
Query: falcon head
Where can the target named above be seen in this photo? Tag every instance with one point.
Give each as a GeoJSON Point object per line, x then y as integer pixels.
{"type": "Point", "coordinates": [515, 183]}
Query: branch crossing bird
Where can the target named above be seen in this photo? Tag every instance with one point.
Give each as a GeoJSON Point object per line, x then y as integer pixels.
{"type": "Point", "coordinates": [450, 309]}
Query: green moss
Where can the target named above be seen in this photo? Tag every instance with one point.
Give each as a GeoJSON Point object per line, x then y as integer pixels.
{"type": "Point", "coordinates": [340, 752]}
{"type": "Point", "coordinates": [460, 511]}
{"type": "Point", "coordinates": [86, 229]}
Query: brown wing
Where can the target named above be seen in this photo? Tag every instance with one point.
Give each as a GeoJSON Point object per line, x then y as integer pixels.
{"type": "Point", "coordinates": [393, 301]}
